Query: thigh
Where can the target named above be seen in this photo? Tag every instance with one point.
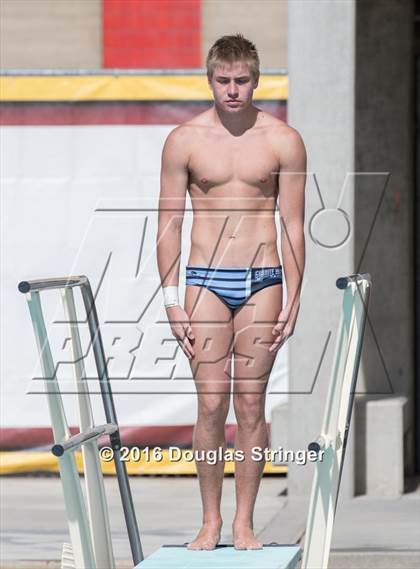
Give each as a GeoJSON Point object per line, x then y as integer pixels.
{"type": "Point", "coordinates": [212, 325]}
{"type": "Point", "coordinates": [252, 327]}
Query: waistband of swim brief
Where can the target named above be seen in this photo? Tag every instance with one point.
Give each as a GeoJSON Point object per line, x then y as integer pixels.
{"type": "Point", "coordinates": [195, 268]}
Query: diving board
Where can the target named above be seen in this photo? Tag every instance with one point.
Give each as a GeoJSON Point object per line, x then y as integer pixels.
{"type": "Point", "coordinates": [272, 556]}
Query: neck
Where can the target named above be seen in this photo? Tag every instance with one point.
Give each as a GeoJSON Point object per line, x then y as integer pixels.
{"type": "Point", "coordinates": [237, 123]}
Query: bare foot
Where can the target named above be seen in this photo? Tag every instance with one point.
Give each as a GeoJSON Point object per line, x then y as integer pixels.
{"type": "Point", "coordinates": [208, 536]}
{"type": "Point", "coordinates": [244, 538]}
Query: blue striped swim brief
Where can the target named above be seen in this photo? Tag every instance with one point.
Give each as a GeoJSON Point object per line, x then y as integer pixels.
{"type": "Point", "coordinates": [234, 285]}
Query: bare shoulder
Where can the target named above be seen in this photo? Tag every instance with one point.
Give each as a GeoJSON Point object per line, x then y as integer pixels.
{"type": "Point", "coordinates": [286, 142]}
{"type": "Point", "coordinates": [177, 137]}
{"type": "Point", "coordinates": [176, 149]}
{"type": "Point", "coordinates": [182, 137]}
{"type": "Point", "coordinates": [283, 134]}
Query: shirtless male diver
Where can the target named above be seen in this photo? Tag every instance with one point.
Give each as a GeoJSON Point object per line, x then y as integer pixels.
{"type": "Point", "coordinates": [237, 163]}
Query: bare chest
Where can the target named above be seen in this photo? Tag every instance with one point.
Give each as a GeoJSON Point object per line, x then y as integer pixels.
{"type": "Point", "coordinates": [218, 162]}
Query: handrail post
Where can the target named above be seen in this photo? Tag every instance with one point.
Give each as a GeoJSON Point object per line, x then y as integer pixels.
{"type": "Point", "coordinates": [111, 417]}
{"type": "Point", "coordinates": [73, 496]}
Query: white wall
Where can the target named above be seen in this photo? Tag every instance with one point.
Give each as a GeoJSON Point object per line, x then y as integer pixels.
{"type": "Point", "coordinates": [61, 187]}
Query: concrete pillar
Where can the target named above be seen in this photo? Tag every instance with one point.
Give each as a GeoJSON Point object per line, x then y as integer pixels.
{"type": "Point", "coordinates": [350, 96]}
{"type": "Point", "coordinates": [321, 107]}
{"type": "Point", "coordinates": [385, 447]}
{"type": "Point", "coordinates": [382, 440]}
{"type": "Point", "coordinates": [384, 195]}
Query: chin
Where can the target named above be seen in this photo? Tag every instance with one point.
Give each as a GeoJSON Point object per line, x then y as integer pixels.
{"type": "Point", "coordinates": [233, 109]}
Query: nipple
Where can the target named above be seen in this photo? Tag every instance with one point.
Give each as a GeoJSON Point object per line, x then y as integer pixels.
{"type": "Point", "coordinates": [263, 179]}
{"type": "Point", "coordinates": [204, 180]}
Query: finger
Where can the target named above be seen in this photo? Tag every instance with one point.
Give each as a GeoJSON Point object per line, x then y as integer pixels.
{"type": "Point", "coordinates": [278, 328]}
{"type": "Point", "coordinates": [186, 347]}
{"type": "Point", "coordinates": [280, 341]}
{"type": "Point", "coordinates": [275, 348]}
{"type": "Point", "coordinates": [186, 330]}
{"type": "Point", "coordinates": [275, 343]}
{"type": "Point", "coordinates": [281, 344]}
{"type": "Point", "coordinates": [189, 347]}
{"type": "Point", "coordinates": [181, 344]}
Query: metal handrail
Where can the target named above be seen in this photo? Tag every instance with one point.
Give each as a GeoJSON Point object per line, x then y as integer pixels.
{"type": "Point", "coordinates": [76, 441]}
{"type": "Point", "coordinates": [49, 284]}
{"type": "Point", "coordinates": [344, 282]}
{"type": "Point", "coordinates": [337, 418]}
{"type": "Point", "coordinates": [32, 289]}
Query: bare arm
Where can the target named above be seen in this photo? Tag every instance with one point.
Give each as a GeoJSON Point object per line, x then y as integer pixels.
{"type": "Point", "coordinates": [292, 180]}
{"type": "Point", "coordinates": [173, 188]}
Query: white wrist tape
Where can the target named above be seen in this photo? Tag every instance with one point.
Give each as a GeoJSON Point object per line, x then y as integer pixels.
{"type": "Point", "coordinates": [170, 295]}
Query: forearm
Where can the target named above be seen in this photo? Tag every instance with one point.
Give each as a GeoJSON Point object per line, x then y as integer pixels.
{"type": "Point", "coordinates": [169, 253]}
{"type": "Point", "coordinates": [293, 256]}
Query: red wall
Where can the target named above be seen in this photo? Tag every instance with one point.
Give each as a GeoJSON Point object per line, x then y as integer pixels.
{"type": "Point", "coordinates": [151, 33]}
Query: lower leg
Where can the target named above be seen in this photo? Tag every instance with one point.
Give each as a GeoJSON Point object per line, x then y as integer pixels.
{"type": "Point", "coordinates": [209, 435]}
{"type": "Point", "coordinates": [251, 432]}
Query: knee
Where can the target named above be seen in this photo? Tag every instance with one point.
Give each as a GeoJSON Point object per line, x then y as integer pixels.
{"type": "Point", "coordinates": [213, 409]}
{"type": "Point", "coordinates": [249, 409]}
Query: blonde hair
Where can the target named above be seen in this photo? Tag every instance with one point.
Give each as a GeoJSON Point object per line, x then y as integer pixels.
{"type": "Point", "coordinates": [230, 49]}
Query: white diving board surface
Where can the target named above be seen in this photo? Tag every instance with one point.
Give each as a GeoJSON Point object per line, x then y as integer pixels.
{"type": "Point", "coordinates": [272, 556]}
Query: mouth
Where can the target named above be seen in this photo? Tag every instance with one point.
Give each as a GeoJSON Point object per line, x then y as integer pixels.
{"type": "Point", "coordinates": [234, 101]}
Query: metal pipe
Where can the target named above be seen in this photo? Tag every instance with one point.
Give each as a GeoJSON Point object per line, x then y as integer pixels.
{"type": "Point", "coordinates": [107, 399]}
{"type": "Point", "coordinates": [344, 282]}
{"type": "Point", "coordinates": [111, 417]}
{"type": "Point", "coordinates": [318, 445]}
{"type": "Point", "coordinates": [72, 491]}
{"type": "Point", "coordinates": [363, 304]}
{"type": "Point", "coordinates": [48, 284]}
{"type": "Point", "coordinates": [76, 441]}
{"type": "Point", "coordinates": [99, 525]}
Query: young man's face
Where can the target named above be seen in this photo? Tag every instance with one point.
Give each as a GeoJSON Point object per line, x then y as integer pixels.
{"type": "Point", "coordinates": [233, 85]}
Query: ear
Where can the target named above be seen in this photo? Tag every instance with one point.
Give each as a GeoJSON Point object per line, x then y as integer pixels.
{"type": "Point", "coordinates": [257, 78]}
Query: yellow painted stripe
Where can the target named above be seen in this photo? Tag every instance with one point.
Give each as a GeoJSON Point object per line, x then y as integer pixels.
{"type": "Point", "coordinates": [32, 461]}
{"type": "Point", "coordinates": [124, 88]}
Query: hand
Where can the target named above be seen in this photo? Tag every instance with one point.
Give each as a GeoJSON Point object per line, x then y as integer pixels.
{"type": "Point", "coordinates": [181, 329]}
{"type": "Point", "coordinates": [285, 325]}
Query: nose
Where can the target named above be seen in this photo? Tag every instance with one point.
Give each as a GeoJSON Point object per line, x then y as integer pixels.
{"type": "Point", "coordinates": [233, 89]}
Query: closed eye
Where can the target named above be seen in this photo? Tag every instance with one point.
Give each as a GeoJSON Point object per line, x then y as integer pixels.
{"type": "Point", "coordinates": [239, 80]}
